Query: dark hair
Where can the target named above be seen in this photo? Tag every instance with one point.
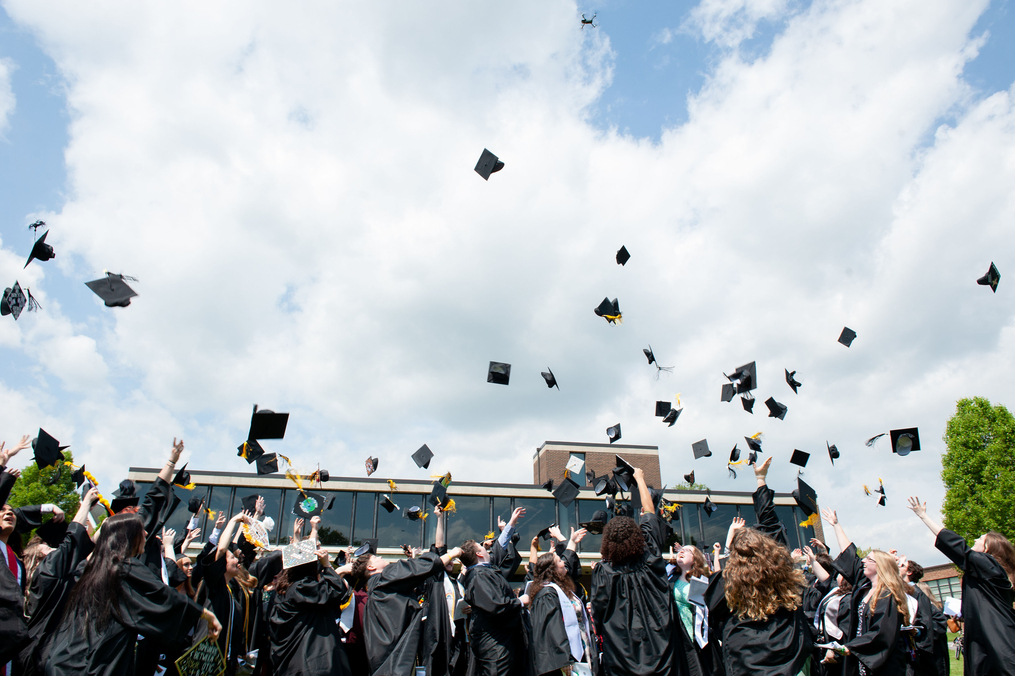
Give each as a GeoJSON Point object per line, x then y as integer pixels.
{"type": "Point", "coordinates": [290, 576]}
{"type": "Point", "coordinates": [96, 597]}
{"type": "Point", "coordinates": [623, 541]}
{"type": "Point", "coordinates": [359, 570]}
{"type": "Point", "coordinates": [470, 551]}
{"type": "Point", "coordinates": [544, 572]}
{"type": "Point", "coordinates": [915, 572]}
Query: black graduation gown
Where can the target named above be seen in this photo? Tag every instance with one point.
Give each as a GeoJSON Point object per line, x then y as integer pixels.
{"type": "Point", "coordinates": [635, 613]}
{"type": "Point", "coordinates": [13, 630]}
{"type": "Point", "coordinates": [304, 628]}
{"type": "Point", "coordinates": [392, 619]}
{"type": "Point", "coordinates": [147, 607]}
{"type": "Point", "coordinates": [777, 646]}
{"type": "Point", "coordinates": [932, 622]}
{"type": "Point", "coordinates": [234, 641]}
{"type": "Point", "coordinates": [264, 570]}
{"type": "Point", "coordinates": [442, 653]}
{"type": "Point", "coordinates": [548, 646]}
{"type": "Point", "coordinates": [496, 630]}
{"type": "Point", "coordinates": [47, 595]}
{"type": "Point", "coordinates": [989, 632]}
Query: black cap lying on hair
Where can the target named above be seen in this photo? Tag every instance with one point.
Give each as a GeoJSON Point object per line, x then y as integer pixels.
{"type": "Point", "coordinates": [488, 164]}
{"type": "Point", "coordinates": [775, 409]}
{"type": "Point", "coordinates": [194, 504]}
{"type": "Point", "coordinates": [551, 381]}
{"type": "Point", "coordinates": [267, 463]}
{"type": "Point", "coordinates": [905, 440]}
{"type": "Point", "coordinates": [113, 291]}
{"type": "Point", "coordinates": [266, 424]}
{"type": "Point", "coordinates": [369, 546]}
{"type": "Point", "coordinates": [372, 464]}
{"type": "Point", "coordinates": [791, 381]}
{"type": "Point", "coordinates": [800, 458]}
{"type": "Point", "coordinates": [40, 250]}
{"type": "Point", "coordinates": [250, 450]}
{"type": "Point", "coordinates": [47, 450]}
{"type": "Point", "coordinates": [422, 457]}
{"type": "Point", "coordinates": [498, 373]}
{"type": "Point", "coordinates": [662, 408]}
{"type": "Point", "coordinates": [805, 497]}
{"type": "Point", "coordinates": [13, 301]}
{"type": "Point", "coordinates": [833, 452]}
{"type": "Point", "coordinates": [847, 336]}
{"type": "Point", "coordinates": [613, 433]}
{"type": "Point", "coordinates": [672, 416]}
{"type": "Point", "coordinates": [700, 449]}
{"type": "Point", "coordinates": [622, 256]}
{"type": "Point", "coordinates": [990, 279]}
{"type": "Point", "coordinates": [566, 492]}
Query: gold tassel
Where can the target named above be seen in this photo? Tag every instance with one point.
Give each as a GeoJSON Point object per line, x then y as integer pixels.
{"type": "Point", "coordinates": [812, 520]}
{"type": "Point", "coordinates": [392, 485]}
{"type": "Point", "coordinates": [450, 507]}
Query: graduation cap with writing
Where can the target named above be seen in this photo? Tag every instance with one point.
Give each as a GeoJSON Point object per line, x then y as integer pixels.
{"type": "Point", "coordinates": [124, 496]}
{"type": "Point", "coordinates": [387, 504]}
{"type": "Point", "coordinates": [710, 507]}
{"type": "Point", "coordinates": [806, 497]}
{"type": "Point", "coordinates": [250, 450]}
{"type": "Point", "coordinates": [775, 409]}
{"type": "Point", "coordinates": [847, 336]}
{"type": "Point", "coordinates": [13, 301]}
{"type": "Point", "coordinates": [369, 546]}
{"type": "Point", "coordinates": [498, 373]}
{"type": "Point", "coordinates": [990, 279]}
{"type": "Point", "coordinates": [551, 382]}
{"type": "Point", "coordinates": [266, 424]}
{"type": "Point", "coordinates": [182, 479]}
{"type": "Point", "coordinates": [566, 492]}
{"type": "Point", "coordinates": [672, 416]}
{"type": "Point", "coordinates": [52, 532]}
{"type": "Point", "coordinates": [488, 164]}
{"type": "Point", "coordinates": [422, 457]}
{"type": "Point", "coordinates": [298, 553]}
{"type": "Point", "coordinates": [47, 450]}
{"type": "Point", "coordinates": [613, 433]}
{"type": "Point", "coordinates": [371, 464]}
{"type": "Point", "coordinates": [40, 250]}
{"type": "Point", "coordinates": [747, 400]}
{"type": "Point", "coordinates": [597, 523]}
{"type": "Point", "coordinates": [833, 452]}
{"type": "Point", "coordinates": [575, 466]}
{"type": "Point", "coordinates": [800, 458]}
{"type": "Point", "coordinates": [700, 449]}
{"type": "Point", "coordinates": [791, 381]}
{"type": "Point", "coordinates": [267, 464]}
{"type": "Point", "coordinates": [609, 310]}
{"type": "Point", "coordinates": [112, 289]}
{"type": "Point", "coordinates": [623, 256]}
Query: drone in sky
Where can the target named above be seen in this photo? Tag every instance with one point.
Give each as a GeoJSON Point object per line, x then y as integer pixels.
{"type": "Point", "coordinates": [588, 22]}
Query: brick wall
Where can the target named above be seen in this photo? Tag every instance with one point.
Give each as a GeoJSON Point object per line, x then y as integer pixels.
{"type": "Point", "coordinates": [550, 463]}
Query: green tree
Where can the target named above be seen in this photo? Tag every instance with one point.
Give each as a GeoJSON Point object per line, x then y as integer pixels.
{"type": "Point", "coordinates": [51, 484]}
{"type": "Point", "coordinates": [979, 469]}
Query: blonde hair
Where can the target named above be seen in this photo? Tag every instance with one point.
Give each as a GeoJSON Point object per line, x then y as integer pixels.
{"type": "Point", "coordinates": [889, 582]}
{"type": "Point", "coordinates": [759, 577]}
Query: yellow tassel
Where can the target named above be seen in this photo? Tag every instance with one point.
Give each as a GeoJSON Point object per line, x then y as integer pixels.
{"type": "Point", "coordinates": [392, 485]}
{"type": "Point", "coordinates": [756, 436]}
{"type": "Point", "coordinates": [423, 515]}
{"type": "Point", "coordinates": [490, 536]}
{"type": "Point", "coordinates": [866, 490]}
{"type": "Point", "coordinates": [287, 460]}
{"type": "Point", "coordinates": [450, 507]}
{"type": "Point", "coordinates": [188, 487]}
{"type": "Point", "coordinates": [295, 478]}
{"type": "Point", "coordinates": [811, 520]}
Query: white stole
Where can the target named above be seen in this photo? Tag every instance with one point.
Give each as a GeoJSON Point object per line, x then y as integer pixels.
{"type": "Point", "coordinates": [348, 615]}
{"type": "Point", "coordinates": [574, 637]}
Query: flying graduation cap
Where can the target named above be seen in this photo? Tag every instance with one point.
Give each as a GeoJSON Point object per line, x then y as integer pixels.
{"type": "Point", "coordinates": [847, 336]}
{"type": "Point", "coordinates": [904, 441]}
{"type": "Point", "coordinates": [371, 464]}
{"type": "Point", "coordinates": [267, 463]}
{"type": "Point", "coordinates": [747, 399]}
{"type": "Point", "coordinates": [880, 490]}
{"type": "Point", "coordinates": [662, 408]}
{"type": "Point", "coordinates": [387, 504]}
{"type": "Point", "coordinates": [14, 301]}
{"type": "Point", "coordinates": [728, 392]}
{"type": "Point", "coordinates": [47, 450]}
{"type": "Point", "coordinates": [800, 458]}
{"type": "Point", "coordinates": [250, 450]}
{"type": "Point", "coordinates": [689, 478]}
{"type": "Point", "coordinates": [266, 424]}
{"type": "Point", "coordinates": [700, 449]}
{"type": "Point", "coordinates": [613, 433]}
{"type": "Point", "coordinates": [566, 492]}
{"type": "Point", "coordinates": [805, 497]}
{"type": "Point", "coordinates": [833, 453]}
{"type": "Point", "coordinates": [672, 416]}
{"type": "Point", "coordinates": [488, 164]}
{"type": "Point", "coordinates": [734, 460]}
{"type": "Point", "coordinates": [710, 507]}
{"type": "Point", "coordinates": [745, 377]}
{"type": "Point", "coordinates": [650, 355]}
{"type": "Point", "coordinates": [548, 485]}
{"type": "Point", "coordinates": [498, 373]}
{"type": "Point", "coordinates": [112, 289]}
{"type": "Point", "coordinates": [415, 513]}
{"type": "Point", "coordinates": [754, 442]}
{"type": "Point", "coordinates": [422, 457]}
{"type": "Point", "coordinates": [308, 505]}
{"type": "Point", "coordinates": [623, 256]}
{"type": "Point", "coordinates": [40, 250]}
{"type": "Point", "coordinates": [775, 409]}
{"type": "Point", "coordinates": [791, 381]}
{"type": "Point", "coordinates": [182, 479]}
{"type": "Point", "coordinates": [551, 382]}
{"type": "Point", "coordinates": [990, 279]}
{"type": "Point", "coordinates": [609, 310]}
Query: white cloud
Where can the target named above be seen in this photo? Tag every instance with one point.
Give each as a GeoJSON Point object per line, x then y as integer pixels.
{"type": "Point", "coordinates": [7, 99]}
{"type": "Point", "coordinates": [730, 22]}
{"type": "Point", "coordinates": [295, 191]}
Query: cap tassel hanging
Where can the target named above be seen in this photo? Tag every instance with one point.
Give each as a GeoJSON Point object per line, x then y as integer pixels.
{"type": "Point", "coordinates": [33, 304]}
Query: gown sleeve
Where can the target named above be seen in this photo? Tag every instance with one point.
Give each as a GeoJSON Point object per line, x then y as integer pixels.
{"type": "Point", "coordinates": [409, 573]}
{"type": "Point", "coordinates": [58, 565]}
{"type": "Point", "coordinates": [330, 589]}
{"type": "Point", "coordinates": [490, 597]}
{"type": "Point", "coordinates": [7, 481]}
{"type": "Point", "coordinates": [267, 567]}
{"type": "Point", "coordinates": [768, 520]}
{"type": "Point", "coordinates": [28, 518]}
{"type": "Point", "coordinates": [874, 647]}
{"type": "Point", "coordinates": [150, 608]}
{"type": "Point", "coordinates": [505, 559]}
{"type": "Point", "coordinates": [850, 565]}
{"type": "Point", "coordinates": [550, 648]}
{"type": "Point", "coordinates": [976, 564]}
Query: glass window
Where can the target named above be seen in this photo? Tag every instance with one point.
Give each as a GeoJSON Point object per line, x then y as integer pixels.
{"type": "Point", "coordinates": [336, 523]}
{"type": "Point", "coordinates": [586, 508]}
{"type": "Point", "coordinates": [470, 521]}
{"type": "Point", "coordinates": [788, 519]}
{"type": "Point", "coordinates": [690, 524]}
{"type": "Point", "coordinates": [806, 532]}
{"type": "Point", "coordinates": [364, 527]}
{"type": "Point", "coordinates": [716, 526]}
{"type": "Point", "coordinates": [181, 515]}
{"type": "Point", "coordinates": [539, 513]}
{"type": "Point", "coordinates": [393, 529]}
{"type": "Point", "coordinates": [220, 501]}
{"type": "Point", "coordinates": [566, 518]}
{"type": "Point", "coordinates": [748, 515]}
{"type": "Point", "coordinates": [501, 508]}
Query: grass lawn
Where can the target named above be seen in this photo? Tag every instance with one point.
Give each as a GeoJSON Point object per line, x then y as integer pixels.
{"type": "Point", "coordinates": [954, 665]}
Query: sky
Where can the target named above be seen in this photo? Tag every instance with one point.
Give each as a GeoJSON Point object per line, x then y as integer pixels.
{"type": "Point", "coordinates": [294, 189]}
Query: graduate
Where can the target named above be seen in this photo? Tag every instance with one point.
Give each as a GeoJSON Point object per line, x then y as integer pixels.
{"type": "Point", "coordinates": [632, 603]}
{"type": "Point", "coordinates": [392, 618]}
{"type": "Point", "coordinates": [116, 598]}
{"type": "Point", "coordinates": [690, 562]}
{"type": "Point", "coordinates": [445, 649]}
{"type": "Point", "coordinates": [987, 595]}
{"type": "Point", "coordinates": [562, 636]}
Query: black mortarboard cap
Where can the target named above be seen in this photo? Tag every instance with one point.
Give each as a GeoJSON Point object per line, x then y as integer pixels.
{"type": "Point", "coordinates": [41, 250]}
{"type": "Point", "coordinates": [791, 381]}
{"type": "Point", "coordinates": [748, 377]}
{"type": "Point", "coordinates": [662, 408]}
{"type": "Point", "coordinates": [266, 424]}
{"type": "Point", "coordinates": [182, 479]}
{"type": "Point", "coordinates": [990, 279]}
{"type": "Point", "coordinates": [649, 354]}
{"type": "Point", "coordinates": [748, 403]}
{"type": "Point", "coordinates": [369, 545]}
{"type": "Point", "coordinates": [47, 450]}
{"type": "Point", "coordinates": [623, 470]}
{"type": "Point", "coordinates": [438, 494]}
{"type": "Point", "coordinates": [551, 382]}
{"type": "Point", "coordinates": [700, 449]}
{"type": "Point", "coordinates": [596, 524]}
{"type": "Point", "coordinates": [672, 416]}
{"type": "Point", "coordinates": [78, 475]}
{"type": "Point", "coordinates": [728, 392]}
{"type": "Point", "coordinates": [387, 504]}
{"type": "Point", "coordinates": [323, 476]}
{"type": "Point", "coordinates": [308, 505]}
{"type": "Point", "coordinates": [13, 301]}
{"type": "Point", "coordinates": [488, 164]}
{"type": "Point", "coordinates": [267, 464]}
{"type": "Point", "coordinates": [833, 452]}
{"type": "Point", "coordinates": [194, 504]}
{"type": "Point", "coordinates": [331, 503]}
{"type": "Point", "coordinates": [566, 492]}
{"type": "Point", "coordinates": [414, 513]}
{"type": "Point", "coordinates": [548, 485]}
{"type": "Point", "coordinates": [689, 478]}
{"type": "Point", "coordinates": [250, 503]}
{"type": "Point", "coordinates": [545, 533]}
{"type": "Point", "coordinates": [735, 454]}
{"type": "Point", "coordinates": [113, 291]}
{"type": "Point", "coordinates": [116, 505]}
{"type": "Point", "coordinates": [609, 310]}
{"type": "Point", "coordinates": [52, 533]}
{"type": "Point", "coordinates": [800, 457]}
{"type": "Point", "coordinates": [710, 507]}
{"type": "Point", "coordinates": [250, 450]}
{"type": "Point", "coordinates": [605, 485]}
{"type": "Point", "coordinates": [422, 457]}
{"type": "Point", "coordinates": [753, 444]}
{"type": "Point", "coordinates": [371, 465]}
{"type": "Point", "coordinates": [623, 256]}
{"type": "Point", "coordinates": [752, 458]}
{"type": "Point", "coordinates": [905, 441]}
{"type": "Point", "coordinates": [847, 336]}
{"type": "Point", "coordinates": [498, 373]}
{"type": "Point", "coordinates": [613, 433]}
{"type": "Point", "coordinates": [805, 497]}
{"type": "Point", "coordinates": [775, 409]}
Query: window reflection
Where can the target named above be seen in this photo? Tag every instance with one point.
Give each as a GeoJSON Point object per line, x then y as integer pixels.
{"type": "Point", "coordinates": [220, 501]}
{"type": "Point", "coordinates": [539, 513]}
{"type": "Point", "coordinates": [690, 521]}
{"type": "Point", "coordinates": [364, 526]}
{"type": "Point", "coordinates": [336, 523]}
{"type": "Point", "coordinates": [394, 529]}
{"type": "Point", "coordinates": [786, 516]}
{"type": "Point", "coordinates": [501, 508]}
{"type": "Point", "coordinates": [716, 526]}
{"type": "Point", "coordinates": [471, 520]}
{"type": "Point", "coordinates": [586, 508]}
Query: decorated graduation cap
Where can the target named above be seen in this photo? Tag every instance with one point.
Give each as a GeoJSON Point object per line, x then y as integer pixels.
{"type": "Point", "coordinates": [747, 401]}
{"type": "Point", "coordinates": [672, 416]}
{"type": "Point", "coordinates": [40, 250]}
{"type": "Point", "coordinates": [806, 497]}
{"type": "Point", "coordinates": [613, 433]}
{"type": "Point", "coordinates": [847, 336]}
{"type": "Point", "coordinates": [792, 381]}
{"type": "Point", "coordinates": [371, 464]}
{"type": "Point", "coordinates": [990, 279]}
{"type": "Point", "coordinates": [689, 478]}
{"type": "Point", "coordinates": [566, 492]}
{"type": "Point", "coordinates": [113, 289]}
{"type": "Point", "coordinates": [488, 164]}
{"type": "Point", "coordinates": [182, 479]}
{"type": "Point", "coordinates": [575, 466]}
{"type": "Point", "coordinates": [498, 373]}
{"type": "Point", "coordinates": [623, 256]}
{"type": "Point", "coordinates": [298, 553]}
{"type": "Point", "coordinates": [14, 301]}
{"type": "Point", "coordinates": [833, 452]}
{"type": "Point", "coordinates": [775, 409]}
{"type": "Point", "coordinates": [124, 496]}
{"type": "Point", "coordinates": [609, 310]}
{"type": "Point", "coordinates": [799, 458]}
{"type": "Point", "coordinates": [266, 424]}
{"type": "Point", "coordinates": [700, 449]}
{"type": "Point", "coordinates": [369, 546]}
{"type": "Point", "coordinates": [548, 376]}
{"type": "Point", "coordinates": [47, 450]}
{"type": "Point", "coordinates": [422, 457]}
{"type": "Point", "coordinates": [387, 504]}
{"type": "Point", "coordinates": [267, 464]}
{"type": "Point", "coordinates": [597, 523]}
{"type": "Point", "coordinates": [250, 450]}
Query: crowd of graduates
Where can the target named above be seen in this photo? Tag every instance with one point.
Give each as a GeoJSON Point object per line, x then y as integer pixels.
{"type": "Point", "coordinates": [124, 598]}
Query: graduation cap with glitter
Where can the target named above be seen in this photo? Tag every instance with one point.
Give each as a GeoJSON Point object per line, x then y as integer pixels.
{"type": "Point", "coordinates": [610, 311]}
{"type": "Point", "coordinates": [298, 553]}
{"type": "Point", "coordinates": [792, 381]}
{"type": "Point", "coordinates": [991, 279]}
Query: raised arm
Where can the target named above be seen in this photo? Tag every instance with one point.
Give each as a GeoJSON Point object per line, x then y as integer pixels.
{"type": "Point", "coordinates": [315, 523]}
{"type": "Point", "coordinates": [7, 453]}
{"type": "Point", "coordinates": [91, 497]}
{"type": "Point", "coordinates": [451, 556]}
{"type": "Point", "coordinates": [920, 509]}
{"type": "Point", "coordinates": [166, 474]}
{"type": "Point", "coordinates": [737, 524]}
{"type": "Point", "coordinates": [643, 491]}
{"type": "Point", "coordinates": [832, 518]}
{"type": "Point", "coordinates": [576, 537]}
{"type": "Point", "coordinates": [441, 526]}
{"type": "Point", "coordinates": [507, 530]}
{"type": "Point", "coordinates": [816, 567]}
{"type": "Point", "coordinates": [226, 538]}
{"type": "Point", "coordinates": [168, 535]}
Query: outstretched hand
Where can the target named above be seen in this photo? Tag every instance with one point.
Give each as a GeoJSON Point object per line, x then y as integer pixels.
{"type": "Point", "coordinates": [515, 515]}
{"type": "Point", "coordinates": [174, 455]}
{"type": "Point", "coordinates": [761, 471]}
{"type": "Point", "coordinates": [919, 508]}
{"type": "Point", "coordinates": [830, 516]}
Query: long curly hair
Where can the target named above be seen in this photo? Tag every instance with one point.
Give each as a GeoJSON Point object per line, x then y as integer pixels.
{"type": "Point", "coordinates": [759, 577]}
{"type": "Point", "coordinates": [889, 584]}
{"type": "Point", "coordinates": [623, 541]}
{"type": "Point", "coordinates": [544, 572]}
{"type": "Point", "coordinates": [1003, 552]}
